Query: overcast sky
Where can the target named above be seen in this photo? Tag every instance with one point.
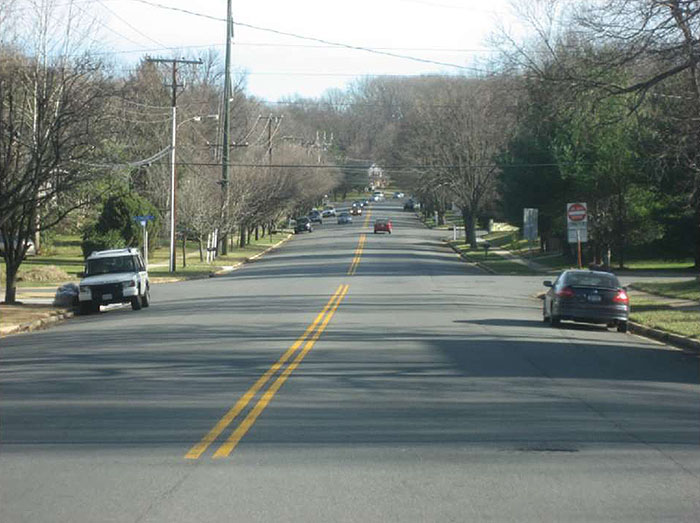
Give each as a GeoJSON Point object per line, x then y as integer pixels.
{"type": "Point", "coordinates": [448, 31]}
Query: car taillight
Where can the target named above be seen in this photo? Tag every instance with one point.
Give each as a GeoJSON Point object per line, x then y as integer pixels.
{"type": "Point", "coordinates": [621, 297]}
{"type": "Point", "coordinates": [566, 292]}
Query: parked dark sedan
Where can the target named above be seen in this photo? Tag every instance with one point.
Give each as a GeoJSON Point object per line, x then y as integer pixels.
{"type": "Point", "coordinates": [303, 225]}
{"type": "Point", "coordinates": [587, 296]}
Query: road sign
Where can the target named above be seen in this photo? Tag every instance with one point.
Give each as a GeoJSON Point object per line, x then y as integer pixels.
{"type": "Point", "coordinates": [576, 212]}
{"type": "Point", "coordinates": [577, 222]}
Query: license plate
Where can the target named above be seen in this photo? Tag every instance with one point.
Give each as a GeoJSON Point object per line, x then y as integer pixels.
{"type": "Point", "coordinates": [106, 296]}
{"type": "Point", "coordinates": [594, 298]}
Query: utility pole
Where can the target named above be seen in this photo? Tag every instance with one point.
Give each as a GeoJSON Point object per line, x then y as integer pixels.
{"type": "Point", "coordinates": [173, 144]}
{"type": "Point", "coordinates": [225, 152]}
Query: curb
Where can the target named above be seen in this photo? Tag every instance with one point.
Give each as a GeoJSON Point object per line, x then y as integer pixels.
{"type": "Point", "coordinates": [223, 272]}
{"type": "Point", "coordinates": [464, 257]}
{"type": "Point", "coordinates": [41, 323]}
{"type": "Point", "coordinates": [689, 345]}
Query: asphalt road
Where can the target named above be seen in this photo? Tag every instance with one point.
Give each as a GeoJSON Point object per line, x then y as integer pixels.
{"type": "Point", "coordinates": [346, 377]}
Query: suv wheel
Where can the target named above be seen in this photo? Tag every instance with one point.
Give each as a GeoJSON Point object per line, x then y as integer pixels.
{"type": "Point", "coordinates": [88, 307]}
{"type": "Point", "coordinates": [136, 303]}
{"type": "Point", "coordinates": [146, 301]}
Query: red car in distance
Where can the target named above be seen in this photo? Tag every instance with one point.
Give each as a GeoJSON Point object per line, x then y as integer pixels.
{"type": "Point", "coordinates": [382, 226]}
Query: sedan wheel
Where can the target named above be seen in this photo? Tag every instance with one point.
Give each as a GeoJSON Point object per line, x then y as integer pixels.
{"type": "Point", "coordinates": [554, 321]}
{"type": "Point", "coordinates": [621, 326]}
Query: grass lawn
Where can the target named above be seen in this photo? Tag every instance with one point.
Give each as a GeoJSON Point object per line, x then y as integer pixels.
{"type": "Point", "coordinates": [21, 314]}
{"type": "Point", "coordinates": [659, 264]}
{"type": "Point", "coordinates": [681, 290]}
{"type": "Point", "coordinates": [659, 315]}
{"type": "Point", "coordinates": [63, 261]}
{"type": "Point", "coordinates": [493, 261]}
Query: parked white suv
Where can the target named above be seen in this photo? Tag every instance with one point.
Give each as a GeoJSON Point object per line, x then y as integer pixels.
{"type": "Point", "coordinates": [115, 276]}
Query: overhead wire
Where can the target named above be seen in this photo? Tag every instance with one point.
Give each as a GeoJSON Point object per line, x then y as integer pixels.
{"type": "Point", "coordinates": [311, 38]}
{"type": "Point", "coordinates": [128, 24]}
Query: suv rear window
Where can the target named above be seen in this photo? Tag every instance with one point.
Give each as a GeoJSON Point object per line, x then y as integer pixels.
{"type": "Point", "coordinates": [110, 265]}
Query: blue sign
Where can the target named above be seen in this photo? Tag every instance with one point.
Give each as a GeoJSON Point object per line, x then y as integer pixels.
{"type": "Point", "coordinates": [143, 220]}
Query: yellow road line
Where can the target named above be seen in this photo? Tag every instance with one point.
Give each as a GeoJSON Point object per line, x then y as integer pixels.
{"type": "Point", "coordinates": [226, 448]}
{"type": "Point", "coordinates": [358, 254]}
{"type": "Point", "coordinates": [197, 450]}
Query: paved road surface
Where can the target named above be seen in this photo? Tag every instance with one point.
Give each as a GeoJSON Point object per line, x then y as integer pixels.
{"type": "Point", "coordinates": [346, 377]}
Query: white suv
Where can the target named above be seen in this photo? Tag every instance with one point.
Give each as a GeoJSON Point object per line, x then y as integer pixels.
{"type": "Point", "coordinates": [115, 276]}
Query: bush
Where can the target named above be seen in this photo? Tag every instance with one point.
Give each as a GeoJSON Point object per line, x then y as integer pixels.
{"type": "Point", "coordinates": [118, 214]}
{"type": "Point", "coordinates": [93, 240]}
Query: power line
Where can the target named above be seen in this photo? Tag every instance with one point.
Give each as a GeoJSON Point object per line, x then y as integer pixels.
{"type": "Point", "coordinates": [128, 24]}
{"type": "Point", "coordinates": [311, 38]}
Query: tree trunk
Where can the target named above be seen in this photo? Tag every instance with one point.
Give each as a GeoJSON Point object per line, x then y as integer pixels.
{"type": "Point", "coordinates": [224, 244]}
{"type": "Point", "coordinates": [242, 237]}
{"type": "Point", "coordinates": [621, 230]}
{"type": "Point", "coordinates": [201, 249]}
{"type": "Point", "coordinates": [10, 282]}
{"type": "Point", "coordinates": [469, 227]}
{"type": "Point", "coordinates": [184, 251]}
{"type": "Point", "coordinates": [697, 235]}
{"type": "Point", "coordinates": [257, 233]}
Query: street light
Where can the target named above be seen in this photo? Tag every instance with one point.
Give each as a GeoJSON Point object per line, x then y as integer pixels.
{"type": "Point", "coordinates": [175, 127]}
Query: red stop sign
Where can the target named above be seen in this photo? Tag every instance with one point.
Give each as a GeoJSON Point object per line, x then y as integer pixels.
{"type": "Point", "coordinates": [576, 212]}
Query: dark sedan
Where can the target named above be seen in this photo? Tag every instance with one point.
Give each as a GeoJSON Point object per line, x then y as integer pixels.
{"type": "Point", "coordinates": [587, 296]}
{"type": "Point", "coordinates": [316, 217]}
{"type": "Point", "coordinates": [303, 225]}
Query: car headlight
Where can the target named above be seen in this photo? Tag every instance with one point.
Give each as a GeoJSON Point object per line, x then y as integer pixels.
{"type": "Point", "coordinates": [84, 288]}
{"type": "Point", "coordinates": [130, 283]}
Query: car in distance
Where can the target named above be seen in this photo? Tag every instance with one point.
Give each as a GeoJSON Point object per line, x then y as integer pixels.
{"type": "Point", "coordinates": [356, 210]}
{"type": "Point", "coordinates": [303, 224]}
{"type": "Point", "coordinates": [343, 218]}
{"type": "Point", "coordinates": [316, 217]}
{"type": "Point", "coordinates": [382, 226]}
{"type": "Point", "coordinates": [328, 211]}
{"type": "Point", "coordinates": [31, 249]}
{"type": "Point", "coordinates": [114, 276]}
{"type": "Point", "coordinates": [586, 296]}
{"type": "Point", "coordinates": [410, 205]}
{"type": "Point", "coordinates": [398, 194]}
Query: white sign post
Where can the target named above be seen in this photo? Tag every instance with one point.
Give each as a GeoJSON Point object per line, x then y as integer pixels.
{"type": "Point", "coordinates": [577, 225]}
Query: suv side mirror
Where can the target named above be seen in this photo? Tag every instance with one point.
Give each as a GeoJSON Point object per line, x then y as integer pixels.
{"type": "Point", "coordinates": [547, 283]}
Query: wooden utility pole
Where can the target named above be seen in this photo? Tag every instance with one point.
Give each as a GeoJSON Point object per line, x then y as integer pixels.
{"type": "Point", "coordinates": [173, 62]}
{"type": "Point", "coordinates": [225, 153]}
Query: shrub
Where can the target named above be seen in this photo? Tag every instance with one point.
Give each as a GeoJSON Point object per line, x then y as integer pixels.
{"type": "Point", "coordinates": [94, 240]}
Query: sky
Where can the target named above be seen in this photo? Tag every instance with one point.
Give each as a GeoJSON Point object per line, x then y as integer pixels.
{"type": "Point", "coordinates": [447, 31]}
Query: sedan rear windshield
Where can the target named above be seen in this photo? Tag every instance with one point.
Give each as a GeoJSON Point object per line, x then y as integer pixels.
{"type": "Point", "coordinates": [583, 279]}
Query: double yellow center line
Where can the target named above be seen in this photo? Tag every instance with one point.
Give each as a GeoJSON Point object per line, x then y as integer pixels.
{"type": "Point", "coordinates": [283, 368]}
{"type": "Point", "coordinates": [308, 340]}
{"type": "Point", "coordinates": [358, 254]}
{"type": "Point", "coordinates": [360, 247]}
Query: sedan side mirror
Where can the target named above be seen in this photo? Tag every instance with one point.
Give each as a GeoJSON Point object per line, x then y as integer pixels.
{"type": "Point", "coordinates": [547, 283]}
